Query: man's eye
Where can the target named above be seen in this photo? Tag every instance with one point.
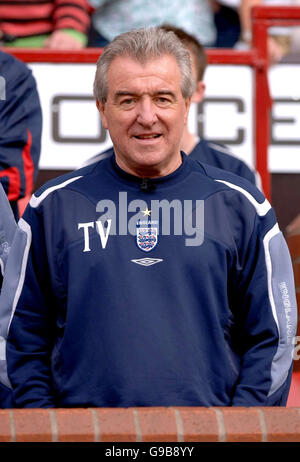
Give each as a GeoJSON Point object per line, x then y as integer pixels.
{"type": "Point", "coordinates": [127, 102]}
{"type": "Point", "coordinates": [161, 101]}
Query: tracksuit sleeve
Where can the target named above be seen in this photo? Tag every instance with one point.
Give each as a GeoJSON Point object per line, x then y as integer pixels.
{"type": "Point", "coordinates": [20, 130]}
{"type": "Point", "coordinates": [15, 241]}
{"type": "Point", "coordinates": [31, 328]}
{"type": "Point", "coordinates": [267, 317]}
{"type": "Point", "coordinates": [7, 231]}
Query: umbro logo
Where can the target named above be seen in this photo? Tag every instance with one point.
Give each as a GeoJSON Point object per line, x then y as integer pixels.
{"type": "Point", "coordinates": [147, 261]}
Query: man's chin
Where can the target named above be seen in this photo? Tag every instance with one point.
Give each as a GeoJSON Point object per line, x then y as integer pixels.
{"type": "Point", "coordinates": [150, 162]}
{"type": "Point", "coordinates": [154, 166]}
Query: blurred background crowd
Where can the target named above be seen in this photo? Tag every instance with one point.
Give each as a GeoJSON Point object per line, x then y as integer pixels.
{"type": "Point", "coordinates": [75, 24]}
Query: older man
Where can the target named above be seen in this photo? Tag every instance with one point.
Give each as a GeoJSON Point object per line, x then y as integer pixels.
{"type": "Point", "coordinates": [149, 279]}
{"type": "Point", "coordinates": [214, 154]}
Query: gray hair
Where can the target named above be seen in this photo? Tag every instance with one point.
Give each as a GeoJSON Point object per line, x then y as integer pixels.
{"type": "Point", "coordinates": [142, 45]}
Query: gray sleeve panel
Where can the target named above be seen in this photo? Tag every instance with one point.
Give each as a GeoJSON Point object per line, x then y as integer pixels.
{"type": "Point", "coordinates": [13, 273]}
{"type": "Point", "coordinates": [283, 291]}
{"type": "Point", "coordinates": [8, 227]}
{"type": "Point", "coordinates": [3, 368]}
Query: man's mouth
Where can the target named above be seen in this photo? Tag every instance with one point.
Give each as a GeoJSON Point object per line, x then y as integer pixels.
{"type": "Point", "coordinates": [147, 137]}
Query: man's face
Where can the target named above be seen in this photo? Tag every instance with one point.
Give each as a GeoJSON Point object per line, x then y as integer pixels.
{"type": "Point", "coordinates": [145, 114]}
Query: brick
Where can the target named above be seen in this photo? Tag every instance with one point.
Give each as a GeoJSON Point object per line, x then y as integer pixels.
{"type": "Point", "coordinates": [282, 424]}
{"type": "Point", "coordinates": [199, 424]}
{"type": "Point", "coordinates": [32, 425]}
{"type": "Point", "coordinates": [157, 424]}
{"type": "Point", "coordinates": [293, 242]}
{"type": "Point", "coordinates": [5, 427]}
{"type": "Point", "coordinates": [116, 425]}
{"type": "Point", "coordinates": [242, 425]}
{"type": "Point", "coordinates": [75, 425]}
{"type": "Point", "coordinates": [189, 424]}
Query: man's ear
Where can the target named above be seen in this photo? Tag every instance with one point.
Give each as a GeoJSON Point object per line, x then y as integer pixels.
{"type": "Point", "coordinates": [187, 106]}
{"type": "Point", "coordinates": [199, 92]}
{"type": "Point", "coordinates": [101, 109]}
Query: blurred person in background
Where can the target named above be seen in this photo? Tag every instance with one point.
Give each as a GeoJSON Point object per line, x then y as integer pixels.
{"type": "Point", "coordinates": [227, 22]}
{"type": "Point", "coordinates": [20, 145]}
{"type": "Point", "coordinates": [211, 153]}
{"type": "Point", "coordinates": [113, 17]}
{"type": "Point", "coordinates": [295, 39]}
{"type": "Point", "coordinates": [20, 129]}
{"type": "Point", "coordinates": [51, 24]}
{"type": "Point", "coordinates": [279, 38]}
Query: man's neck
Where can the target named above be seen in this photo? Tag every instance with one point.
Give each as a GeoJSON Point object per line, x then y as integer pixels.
{"type": "Point", "coordinates": [153, 171]}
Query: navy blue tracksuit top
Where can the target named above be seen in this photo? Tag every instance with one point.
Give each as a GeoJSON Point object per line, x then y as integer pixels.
{"type": "Point", "coordinates": [175, 291]}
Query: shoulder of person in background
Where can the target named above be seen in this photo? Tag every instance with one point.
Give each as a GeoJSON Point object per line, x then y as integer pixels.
{"type": "Point", "coordinates": [97, 157]}
{"type": "Point", "coordinates": [20, 128]}
{"type": "Point", "coordinates": [221, 156]}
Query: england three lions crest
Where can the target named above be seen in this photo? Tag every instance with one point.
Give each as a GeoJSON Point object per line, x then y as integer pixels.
{"type": "Point", "coordinates": [146, 238]}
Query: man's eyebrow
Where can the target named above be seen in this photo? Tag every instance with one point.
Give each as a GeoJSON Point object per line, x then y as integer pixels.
{"type": "Point", "coordinates": [124, 93]}
{"type": "Point", "coordinates": [121, 93]}
{"type": "Point", "coordinates": [165, 92]}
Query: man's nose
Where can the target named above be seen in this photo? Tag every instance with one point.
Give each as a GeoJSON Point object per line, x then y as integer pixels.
{"type": "Point", "coordinates": [146, 112]}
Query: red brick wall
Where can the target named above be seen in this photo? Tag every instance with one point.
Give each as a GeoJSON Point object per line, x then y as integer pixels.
{"type": "Point", "coordinates": [151, 425]}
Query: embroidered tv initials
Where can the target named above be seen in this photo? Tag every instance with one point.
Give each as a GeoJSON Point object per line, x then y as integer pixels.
{"type": "Point", "coordinates": [101, 231]}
